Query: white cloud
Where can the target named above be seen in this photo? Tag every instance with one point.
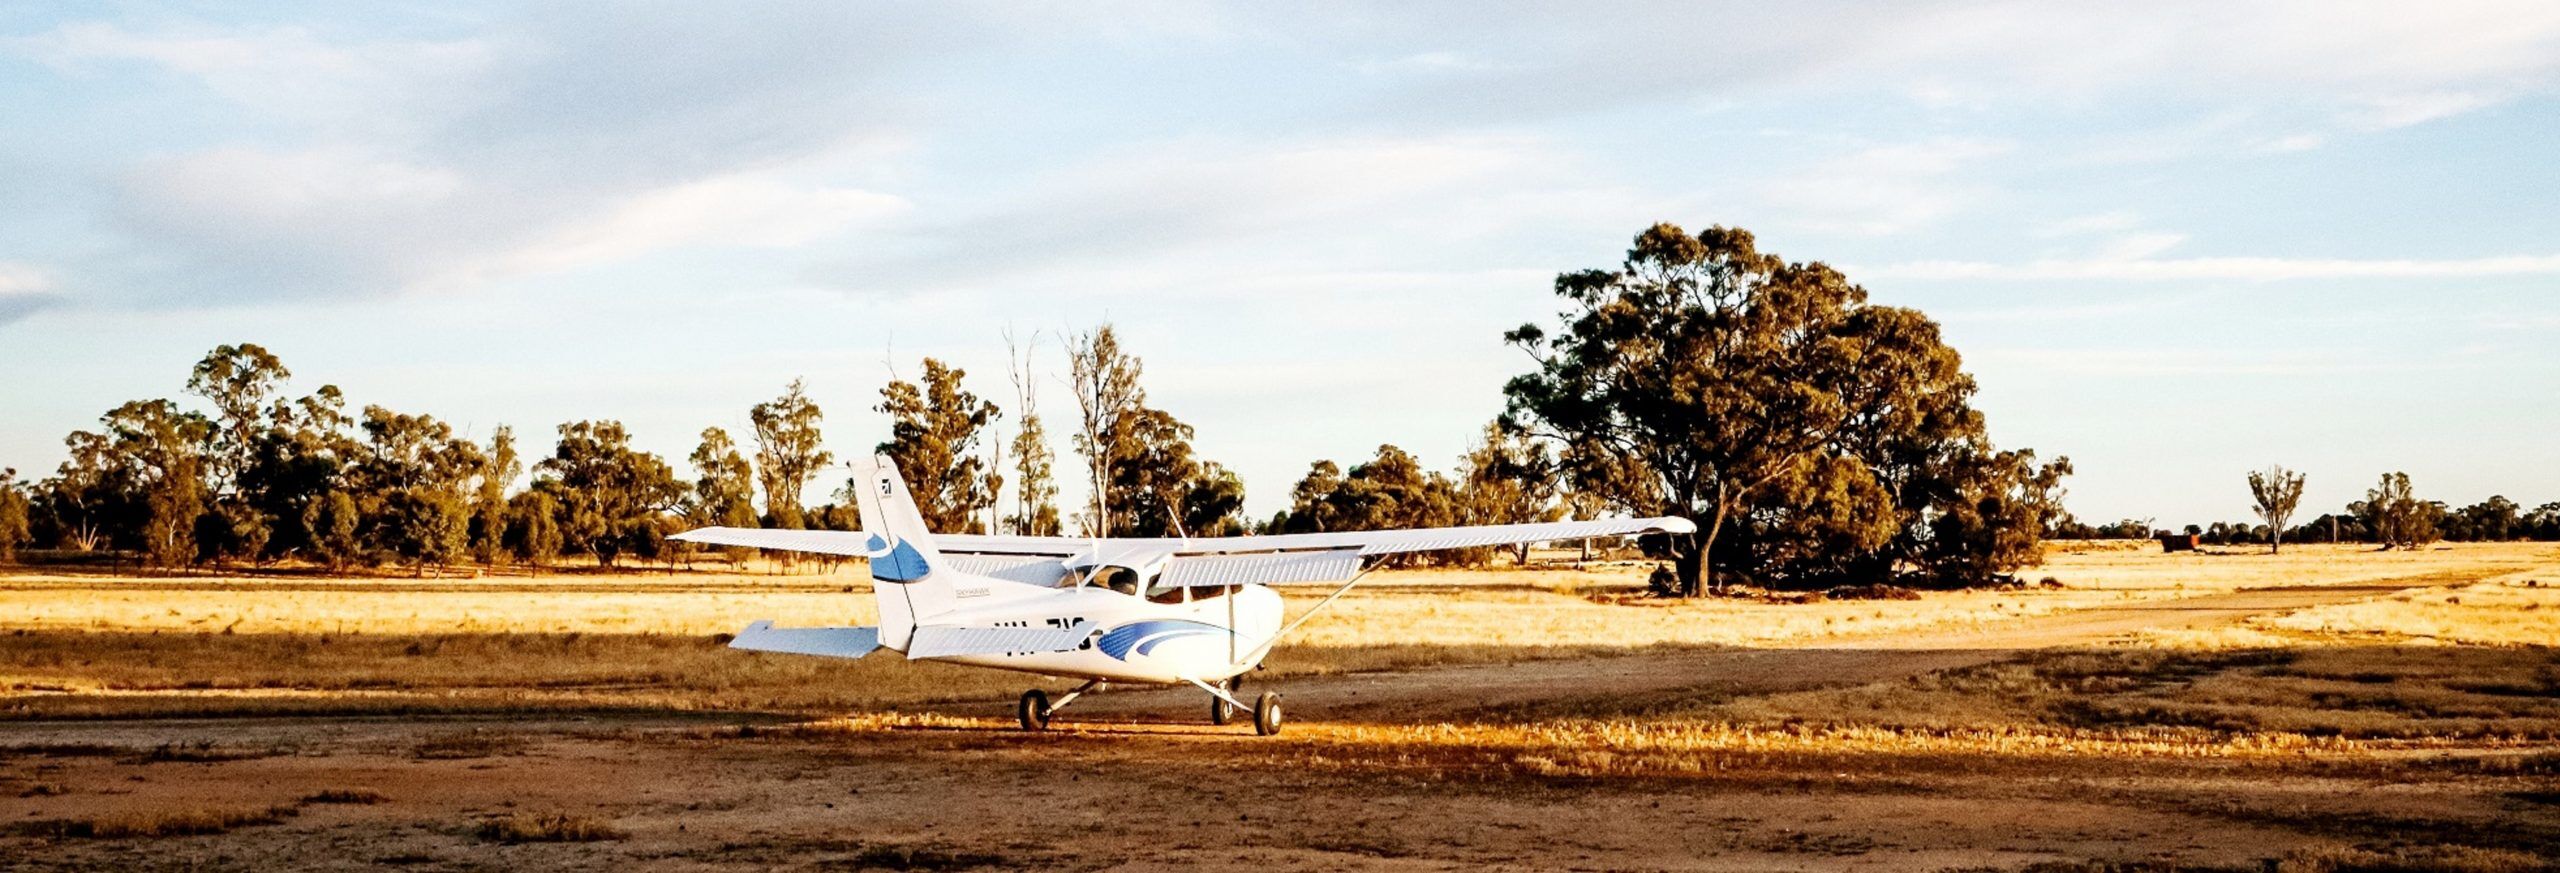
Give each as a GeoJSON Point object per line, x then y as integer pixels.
{"type": "Point", "coordinates": [2189, 362]}
{"type": "Point", "coordinates": [745, 210]}
{"type": "Point", "coordinates": [1163, 215]}
{"type": "Point", "coordinates": [2137, 246]}
{"type": "Point", "coordinates": [1882, 190]}
{"type": "Point", "coordinates": [349, 88]}
{"type": "Point", "coordinates": [2244, 269]}
{"type": "Point", "coordinates": [2096, 222]}
{"type": "Point", "coordinates": [23, 290]}
{"type": "Point", "coordinates": [2403, 110]}
{"type": "Point", "coordinates": [1428, 63]}
{"type": "Point", "coordinates": [2297, 142]}
{"type": "Point", "coordinates": [344, 164]}
{"type": "Point", "coordinates": [18, 278]}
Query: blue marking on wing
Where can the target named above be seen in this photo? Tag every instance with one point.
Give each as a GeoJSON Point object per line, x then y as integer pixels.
{"type": "Point", "coordinates": [1143, 637]}
{"type": "Point", "coordinates": [876, 544]}
{"type": "Point", "coordinates": [901, 564]}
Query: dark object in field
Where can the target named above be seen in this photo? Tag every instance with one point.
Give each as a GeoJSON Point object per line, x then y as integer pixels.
{"type": "Point", "coordinates": [2179, 542]}
{"type": "Point", "coordinates": [1871, 592]}
{"type": "Point", "coordinates": [357, 796]}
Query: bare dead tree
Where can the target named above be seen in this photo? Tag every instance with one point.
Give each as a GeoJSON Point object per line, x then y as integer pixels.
{"type": "Point", "coordinates": [2277, 491]}
{"type": "Point", "coordinates": [1105, 380]}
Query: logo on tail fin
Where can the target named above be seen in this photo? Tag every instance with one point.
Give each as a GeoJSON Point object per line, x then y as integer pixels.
{"type": "Point", "coordinates": [899, 562]}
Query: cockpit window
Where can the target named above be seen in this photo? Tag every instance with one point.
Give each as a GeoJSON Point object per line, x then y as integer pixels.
{"type": "Point", "coordinates": [1120, 579]}
{"type": "Point", "coordinates": [1158, 592]}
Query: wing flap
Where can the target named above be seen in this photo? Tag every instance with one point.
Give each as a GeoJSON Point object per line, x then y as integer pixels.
{"type": "Point", "coordinates": [932, 641]}
{"type": "Point", "coordinates": [832, 642]}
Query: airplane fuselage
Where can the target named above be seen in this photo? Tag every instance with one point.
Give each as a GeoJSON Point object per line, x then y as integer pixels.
{"type": "Point", "coordinates": [1217, 634]}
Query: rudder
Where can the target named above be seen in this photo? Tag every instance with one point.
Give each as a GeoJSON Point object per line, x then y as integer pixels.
{"type": "Point", "coordinates": [907, 573]}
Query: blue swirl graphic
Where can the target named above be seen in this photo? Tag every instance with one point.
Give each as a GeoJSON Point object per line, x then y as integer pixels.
{"type": "Point", "coordinates": [1144, 636]}
{"type": "Point", "coordinates": [901, 564]}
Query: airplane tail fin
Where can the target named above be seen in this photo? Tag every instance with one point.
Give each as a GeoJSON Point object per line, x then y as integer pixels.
{"type": "Point", "coordinates": [908, 575]}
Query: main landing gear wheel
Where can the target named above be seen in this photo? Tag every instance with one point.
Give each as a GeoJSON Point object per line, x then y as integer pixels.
{"type": "Point", "coordinates": [1220, 711]}
{"type": "Point", "coordinates": [1266, 714]}
{"type": "Point", "coordinates": [1034, 710]}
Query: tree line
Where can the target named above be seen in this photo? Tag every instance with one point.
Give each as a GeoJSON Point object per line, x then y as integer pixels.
{"type": "Point", "coordinates": [252, 476]}
{"type": "Point", "coordinates": [2391, 516]}
{"type": "Point", "coordinates": [1817, 438]}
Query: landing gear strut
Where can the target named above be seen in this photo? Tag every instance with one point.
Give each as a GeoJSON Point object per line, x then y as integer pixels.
{"type": "Point", "coordinates": [1035, 709]}
{"type": "Point", "coordinates": [1223, 705]}
{"type": "Point", "coordinates": [1222, 709]}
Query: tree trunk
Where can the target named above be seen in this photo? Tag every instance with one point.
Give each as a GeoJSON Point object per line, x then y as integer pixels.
{"type": "Point", "coordinates": [1705, 568]}
{"type": "Point", "coordinates": [1689, 564]}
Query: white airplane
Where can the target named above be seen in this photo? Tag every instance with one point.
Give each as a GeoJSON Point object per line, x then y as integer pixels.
{"type": "Point", "coordinates": [1155, 611]}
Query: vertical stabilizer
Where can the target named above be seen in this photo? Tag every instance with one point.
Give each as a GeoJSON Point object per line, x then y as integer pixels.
{"type": "Point", "coordinates": [907, 572]}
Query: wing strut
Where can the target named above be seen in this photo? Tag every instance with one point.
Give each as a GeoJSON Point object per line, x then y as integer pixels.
{"type": "Point", "coordinates": [1328, 600]}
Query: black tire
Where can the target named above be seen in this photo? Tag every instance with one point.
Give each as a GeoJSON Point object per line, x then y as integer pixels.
{"type": "Point", "coordinates": [1220, 711]}
{"type": "Point", "coordinates": [1034, 710]}
{"type": "Point", "coordinates": [1266, 714]}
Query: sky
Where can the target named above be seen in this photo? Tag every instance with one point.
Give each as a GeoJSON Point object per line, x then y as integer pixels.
{"type": "Point", "coordinates": [2173, 241]}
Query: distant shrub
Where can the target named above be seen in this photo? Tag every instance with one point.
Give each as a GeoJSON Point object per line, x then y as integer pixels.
{"type": "Point", "coordinates": [355, 796]}
{"type": "Point", "coordinates": [546, 827]}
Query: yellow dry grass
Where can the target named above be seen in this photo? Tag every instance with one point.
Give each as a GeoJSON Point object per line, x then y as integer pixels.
{"type": "Point", "coordinates": [89, 646]}
{"type": "Point", "coordinates": [2503, 612]}
{"type": "Point", "coordinates": [1499, 607]}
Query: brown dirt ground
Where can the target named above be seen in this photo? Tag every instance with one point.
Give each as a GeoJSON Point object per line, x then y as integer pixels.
{"type": "Point", "coordinates": [1138, 781]}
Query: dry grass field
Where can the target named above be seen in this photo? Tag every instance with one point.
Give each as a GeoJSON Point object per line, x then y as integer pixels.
{"type": "Point", "coordinates": [2328, 709]}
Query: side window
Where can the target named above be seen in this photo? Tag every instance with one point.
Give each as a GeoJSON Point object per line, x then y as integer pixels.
{"type": "Point", "coordinates": [1120, 579]}
{"type": "Point", "coordinates": [1167, 594]}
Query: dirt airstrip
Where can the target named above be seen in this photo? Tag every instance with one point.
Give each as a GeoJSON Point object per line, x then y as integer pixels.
{"type": "Point", "coordinates": [1575, 763]}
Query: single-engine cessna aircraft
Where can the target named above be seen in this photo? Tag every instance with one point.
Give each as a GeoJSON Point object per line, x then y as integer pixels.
{"type": "Point", "coordinates": [1160, 611]}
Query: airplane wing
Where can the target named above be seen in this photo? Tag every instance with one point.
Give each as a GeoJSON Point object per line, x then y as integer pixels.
{"type": "Point", "coordinates": [1364, 542]}
{"type": "Point", "coordinates": [851, 543]}
{"type": "Point", "coordinates": [1200, 562]}
{"type": "Point", "coordinates": [1209, 562]}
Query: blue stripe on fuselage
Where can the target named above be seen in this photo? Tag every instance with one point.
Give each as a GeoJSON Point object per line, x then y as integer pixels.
{"type": "Point", "coordinates": [1145, 635]}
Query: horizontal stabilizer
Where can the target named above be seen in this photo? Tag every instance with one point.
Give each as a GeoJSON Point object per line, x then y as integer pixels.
{"type": "Point", "coordinates": [942, 642]}
{"type": "Point", "coordinates": [833, 642]}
